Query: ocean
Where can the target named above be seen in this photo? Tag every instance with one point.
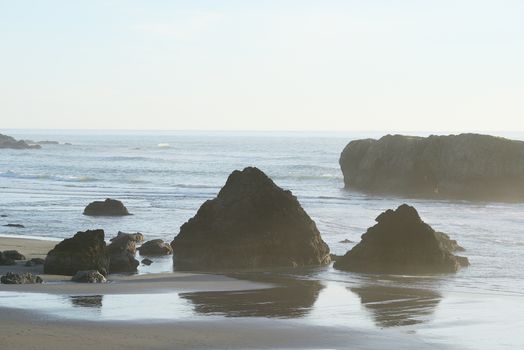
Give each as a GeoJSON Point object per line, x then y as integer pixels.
{"type": "Point", "coordinates": [164, 177]}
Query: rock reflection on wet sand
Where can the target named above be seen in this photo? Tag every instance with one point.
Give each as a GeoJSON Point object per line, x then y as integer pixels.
{"type": "Point", "coordinates": [395, 306]}
{"type": "Point", "coordinates": [291, 298]}
{"type": "Point", "coordinates": [91, 301]}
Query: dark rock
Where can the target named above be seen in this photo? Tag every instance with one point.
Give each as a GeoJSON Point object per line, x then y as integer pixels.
{"type": "Point", "coordinates": [34, 262]}
{"type": "Point", "coordinates": [85, 251]}
{"type": "Point", "coordinates": [155, 247]}
{"type": "Point", "coordinates": [13, 254]}
{"type": "Point", "coordinates": [335, 257]}
{"type": "Point", "coordinates": [465, 166]}
{"type": "Point", "coordinates": [15, 225]}
{"type": "Point", "coordinates": [346, 241]}
{"type": "Point", "coordinates": [122, 252]}
{"type": "Point", "coordinates": [88, 276]}
{"type": "Point", "coordinates": [401, 242]}
{"type": "Point", "coordinates": [109, 207]}
{"type": "Point", "coordinates": [4, 260]}
{"type": "Point", "coordinates": [251, 223]}
{"type": "Point", "coordinates": [23, 278]}
{"type": "Point", "coordinates": [448, 243]}
{"type": "Point", "coordinates": [3, 216]}
{"type": "Point", "coordinates": [147, 261]}
{"type": "Point", "coordinates": [10, 142]}
{"type": "Point", "coordinates": [136, 237]}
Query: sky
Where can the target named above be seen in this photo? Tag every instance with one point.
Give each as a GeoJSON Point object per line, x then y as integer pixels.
{"type": "Point", "coordinates": [326, 65]}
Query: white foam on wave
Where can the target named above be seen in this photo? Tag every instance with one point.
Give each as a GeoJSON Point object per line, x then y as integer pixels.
{"type": "Point", "coordinates": [66, 178]}
{"type": "Point", "coordinates": [164, 145]}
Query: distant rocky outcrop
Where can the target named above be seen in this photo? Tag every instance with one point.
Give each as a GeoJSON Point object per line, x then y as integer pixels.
{"type": "Point", "coordinates": [121, 251]}
{"type": "Point", "coordinates": [401, 242]}
{"type": "Point", "coordinates": [11, 142]}
{"type": "Point", "coordinates": [34, 262]}
{"type": "Point", "coordinates": [20, 278]}
{"type": "Point", "coordinates": [88, 276]}
{"type": "Point", "coordinates": [155, 247]}
{"type": "Point", "coordinates": [84, 251]}
{"type": "Point", "coordinates": [251, 223]}
{"type": "Point", "coordinates": [109, 207]}
{"type": "Point", "coordinates": [14, 225]}
{"type": "Point", "coordinates": [465, 166]}
{"type": "Point", "coordinates": [13, 254]}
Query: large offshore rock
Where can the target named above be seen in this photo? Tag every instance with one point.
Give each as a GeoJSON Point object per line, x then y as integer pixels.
{"type": "Point", "coordinates": [122, 250]}
{"type": "Point", "coordinates": [109, 207]}
{"type": "Point", "coordinates": [465, 166]}
{"type": "Point", "coordinates": [402, 243]}
{"type": "Point", "coordinates": [251, 223]}
{"type": "Point", "coordinates": [84, 251]}
{"type": "Point", "coordinates": [10, 142]}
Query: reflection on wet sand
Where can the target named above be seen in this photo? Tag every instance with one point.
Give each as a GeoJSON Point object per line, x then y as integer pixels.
{"type": "Point", "coordinates": [291, 298]}
{"type": "Point", "coordinates": [394, 306]}
{"type": "Point", "coordinates": [92, 301]}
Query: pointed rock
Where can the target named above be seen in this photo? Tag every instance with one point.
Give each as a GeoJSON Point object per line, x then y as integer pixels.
{"type": "Point", "coordinates": [251, 223]}
{"type": "Point", "coordinates": [401, 242]}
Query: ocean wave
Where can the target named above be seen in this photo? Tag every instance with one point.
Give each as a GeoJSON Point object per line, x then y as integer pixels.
{"type": "Point", "coordinates": [164, 145]}
{"type": "Point", "coordinates": [299, 177]}
{"type": "Point", "coordinates": [124, 158]}
{"type": "Point", "coordinates": [66, 178]}
{"type": "Point", "coordinates": [195, 186]}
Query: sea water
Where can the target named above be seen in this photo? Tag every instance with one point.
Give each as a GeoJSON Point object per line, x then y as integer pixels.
{"type": "Point", "coordinates": [164, 177]}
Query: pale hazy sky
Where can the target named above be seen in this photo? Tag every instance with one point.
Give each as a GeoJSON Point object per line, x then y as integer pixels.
{"type": "Point", "coordinates": [263, 65]}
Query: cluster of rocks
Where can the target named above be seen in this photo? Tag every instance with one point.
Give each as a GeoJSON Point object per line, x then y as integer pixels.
{"type": "Point", "coordinates": [465, 166]}
{"type": "Point", "coordinates": [86, 253]}
{"type": "Point", "coordinates": [20, 278]}
{"type": "Point", "coordinates": [11, 142]}
{"type": "Point", "coordinates": [122, 251]}
{"type": "Point", "coordinates": [253, 223]}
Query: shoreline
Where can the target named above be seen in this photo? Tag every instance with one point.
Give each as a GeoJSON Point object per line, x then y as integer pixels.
{"type": "Point", "coordinates": [148, 283]}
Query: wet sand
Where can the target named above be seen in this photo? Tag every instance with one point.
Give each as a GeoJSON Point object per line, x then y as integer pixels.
{"type": "Point", "coordinates": [245, 311]}
{"type": "Point", "coordinates": [25, 329]}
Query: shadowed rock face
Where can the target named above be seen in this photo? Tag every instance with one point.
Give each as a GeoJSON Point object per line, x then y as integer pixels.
{"type": "Point", "coordinates": [121, 253]}
{"type": "Point", "coordinates": [401, 242]}
{"type": "Point", "coordinates": [465, 166]}
{"type": "Point", "coordinates": [251, 223]}
{"type": "Point", "coordinates": [84, 251]}
{"type": "Point", "coordinates": [109, 207]}
{"type": "Point", "coordinates": [10, 142]}
{"type": "Point", "coordinates": [155, 247]}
